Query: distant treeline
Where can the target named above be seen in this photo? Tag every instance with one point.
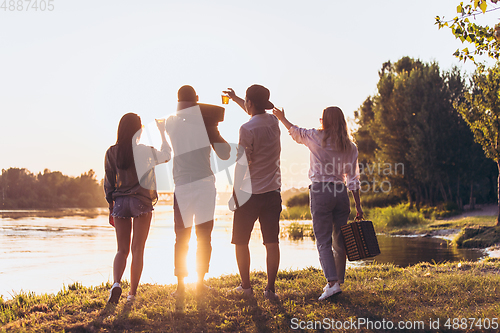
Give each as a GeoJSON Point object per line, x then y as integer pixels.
{"type": "Point", "coordinates": [412, 120]}
{"type": "Point", "coordinates": [21, 189]}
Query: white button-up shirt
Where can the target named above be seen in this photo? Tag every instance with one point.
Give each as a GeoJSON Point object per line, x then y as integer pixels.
{"type": "Point", "coordinates": [328, 164]}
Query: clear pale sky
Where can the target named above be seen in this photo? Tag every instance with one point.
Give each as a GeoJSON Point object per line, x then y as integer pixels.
{"type": "Point", "coordinates": [68, 75]}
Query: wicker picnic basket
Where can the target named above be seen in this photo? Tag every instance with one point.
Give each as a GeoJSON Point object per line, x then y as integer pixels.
{"type": "Point", "coordinates": [360, 240]}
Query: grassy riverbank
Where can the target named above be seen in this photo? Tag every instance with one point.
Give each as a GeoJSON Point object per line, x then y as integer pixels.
{"type": "Point", "coordinates": [468, 232]}
{"type": "Point", "coordinates": [453, 224]}
{"type": "Point", "coordinates": [375, 292]}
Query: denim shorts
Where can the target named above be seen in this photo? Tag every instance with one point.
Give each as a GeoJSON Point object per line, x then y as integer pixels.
{"type": "Point", "coordinates": [126, 207]}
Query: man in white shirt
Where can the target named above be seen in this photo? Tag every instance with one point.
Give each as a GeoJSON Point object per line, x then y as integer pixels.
{"type": "Point", "coordinates": [193, 136]}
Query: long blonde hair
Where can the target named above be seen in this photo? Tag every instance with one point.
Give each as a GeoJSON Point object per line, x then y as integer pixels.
{"type": "Point", "coordinates": [334, 127]}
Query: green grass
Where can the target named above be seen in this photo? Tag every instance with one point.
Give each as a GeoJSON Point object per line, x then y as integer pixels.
{"type": "Point", "coordinates": [478, 237]}
{"type": "Point", "coordinates": [394, 217]}
{"type": "Point", "coordinates": [443, 210]}
{"type": "Point", "coordinates": [476, 231]}
{"type": "Point", "coordinates": [297, 230]}
{"type": "Point", "coordinates": [435, 227]}
{"type": "Point", "coordinates": [296, 213]}
{"type": "Point", "coordinates": [304, 213]}
{"type": "Point", "coordinates": [374, 292]}
{"type": "Point", "coordinates": [301, 199]}
{"type": "Point", "coordinates": [298, 205]}
{"type": "Point", "coordinates": [461, 222]}
{"type": "Point", "coordinates": [372, 200]}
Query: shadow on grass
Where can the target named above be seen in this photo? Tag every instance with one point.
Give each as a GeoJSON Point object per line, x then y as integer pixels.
{"type": "Point", "coordinates": [102, 320]}
{"type": "Point", "coordinates": [125, 312]}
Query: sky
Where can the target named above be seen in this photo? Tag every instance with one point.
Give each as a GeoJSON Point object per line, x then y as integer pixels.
{"type": "Point", "coordinates": [69, 74]}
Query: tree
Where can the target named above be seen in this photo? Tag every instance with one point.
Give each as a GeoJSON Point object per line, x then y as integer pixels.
{"type": "Point", "coordinates": [390, 127]}
{"type": "Point", "coordinates": [20, 189]}
{"type": "Point", "coordinates": [483, 39]}
{"type": "Point", "coordinates": [480, 108]}
{"type": "Point", "coordinates": [412, 121]}
{"type": "Point", "coordinates": [366, 144]}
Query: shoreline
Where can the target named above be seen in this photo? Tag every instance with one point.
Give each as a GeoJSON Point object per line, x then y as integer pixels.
{"type": "Point", "coordinates": [449, 228]}
{"type": "Point", "coordinates": [52, 212]}
{"type": "Point", "coordinates": [493, 251]}
{"type": "Point", "coordinates": [450, 234]}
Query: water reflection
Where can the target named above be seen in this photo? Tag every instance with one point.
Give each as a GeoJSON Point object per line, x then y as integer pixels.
{"type": "Point", "coordinates": [405, 251]}
{"type": "Point", "coordinates": [41, 253]}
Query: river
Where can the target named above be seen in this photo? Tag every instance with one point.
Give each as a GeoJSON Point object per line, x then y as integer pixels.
{"type": "Point", "coordinates": [41, 251]}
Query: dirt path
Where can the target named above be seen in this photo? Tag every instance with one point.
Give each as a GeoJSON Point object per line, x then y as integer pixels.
{"type": "Point", "coordinates": [481, 210]}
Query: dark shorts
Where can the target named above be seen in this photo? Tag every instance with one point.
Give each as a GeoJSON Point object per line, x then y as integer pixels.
{"type": "Point", "coordinates": [126, 207]}
{"type": "Point", "coordinates": [267, 208]}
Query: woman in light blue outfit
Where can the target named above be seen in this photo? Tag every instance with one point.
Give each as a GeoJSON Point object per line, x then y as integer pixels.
{"type": "Point", "coordinates": [333, 170]}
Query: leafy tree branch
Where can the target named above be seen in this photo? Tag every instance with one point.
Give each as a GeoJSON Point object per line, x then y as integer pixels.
{"type": "Point", "coordinates": [483, 40]}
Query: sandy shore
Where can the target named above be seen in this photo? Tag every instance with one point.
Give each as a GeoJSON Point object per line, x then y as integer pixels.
{"type": "Point", "coordinates": [493, 251]}
{"type": "Point", "coordinates": [481, 210]}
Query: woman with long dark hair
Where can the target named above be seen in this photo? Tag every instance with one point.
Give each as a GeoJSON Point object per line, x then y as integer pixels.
{"type": "Point", "coordinates": [333, 167]}
{"type": "Point", "coordinates": [130, 190]}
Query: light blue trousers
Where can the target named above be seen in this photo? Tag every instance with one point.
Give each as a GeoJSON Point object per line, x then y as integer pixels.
{"type": "Point", "coordinates": [330, 210]}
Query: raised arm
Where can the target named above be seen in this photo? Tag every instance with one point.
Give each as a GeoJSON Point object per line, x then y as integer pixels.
{"type": "Point", "coordinates": [240, 101]}
{"type": "Point", "coordinates": [166, 151]}
{"type": "Point", "coordinates": [280, 114]}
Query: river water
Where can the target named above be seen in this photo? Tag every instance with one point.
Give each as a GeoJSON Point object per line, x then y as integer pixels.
{"type": "Point", "coordinates": [41, 253]}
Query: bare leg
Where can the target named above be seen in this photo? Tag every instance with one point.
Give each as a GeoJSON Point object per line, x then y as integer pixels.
{"type": "Point", "coordinates": [181, 248]}
{"type": "Point", "coordinates": [331, 283]}
{"type": "Point", "coordinates": [182, 236]}
{"type": "Point", "coordinates": [141, 231]}
{"type": "Point", "coordinates": [272, 261]}
{"type": "Point", "coordinates": [243, 260]}
{"type": "Point", "coordinates": [181, 287]}
{"type": "Point", "coordinates": [203, 250]}
{"type": "Point", "coordinates": [123, 227]}
{"type": "Point", "coordinates": [201, 278]}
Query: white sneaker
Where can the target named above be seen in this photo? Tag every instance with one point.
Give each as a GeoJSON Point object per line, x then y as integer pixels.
{"type": "Point", "coordinates": [330, 291]}
{"type": "Point", "coordinates": [246, 292]}
{"type": "Point", "coordinates": [115, 293]}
